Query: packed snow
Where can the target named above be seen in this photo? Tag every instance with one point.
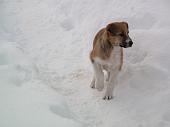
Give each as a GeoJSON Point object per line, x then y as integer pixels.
{"type": "Point", "coordinates": [45, 71]}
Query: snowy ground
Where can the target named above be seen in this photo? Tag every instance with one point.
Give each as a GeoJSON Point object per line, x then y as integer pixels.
{"type": "Point", "coordinates": [45, 71]}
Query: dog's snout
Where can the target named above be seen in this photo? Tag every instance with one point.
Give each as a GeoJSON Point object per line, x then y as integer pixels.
{"type": "Point", "coordinates": [127, 43]}
{"type": "Point", "coordinates": [130, 43]}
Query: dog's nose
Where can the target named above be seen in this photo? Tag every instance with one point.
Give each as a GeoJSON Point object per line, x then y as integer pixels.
{"type": "Point", "coordinates": [130, 43]}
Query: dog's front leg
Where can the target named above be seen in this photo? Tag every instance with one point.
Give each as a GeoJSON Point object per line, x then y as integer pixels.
{"type": "Point", "coordinates": [99, 77]}
{"type": "Point", "coordinates": [108, 76]}
{"type": "Point", "coordinates": [110, 84]}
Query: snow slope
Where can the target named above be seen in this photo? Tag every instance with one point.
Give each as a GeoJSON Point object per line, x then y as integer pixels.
{"type": "Point", "coordinates": [45, 71]}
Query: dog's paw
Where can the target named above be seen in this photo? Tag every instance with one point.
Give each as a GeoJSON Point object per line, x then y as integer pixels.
{"type": "Point", "coordinates": [92, 85]}
{"type": "Point", "coordinates": [108, 96]}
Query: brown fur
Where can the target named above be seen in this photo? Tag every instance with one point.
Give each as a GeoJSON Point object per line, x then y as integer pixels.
{"type": "Point", "coordinates": [101, 46]}
{"type": "Point", "coordinates": [107, 38]}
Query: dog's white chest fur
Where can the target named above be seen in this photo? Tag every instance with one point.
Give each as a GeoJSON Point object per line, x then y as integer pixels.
{"type": "Point", "coordinates": [114, 59]}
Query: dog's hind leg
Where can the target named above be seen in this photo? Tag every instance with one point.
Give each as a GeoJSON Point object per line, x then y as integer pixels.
{"type": "Point", "coordinates": [92, 85]}
{"type": "Point", "coordinates": [99, 76]}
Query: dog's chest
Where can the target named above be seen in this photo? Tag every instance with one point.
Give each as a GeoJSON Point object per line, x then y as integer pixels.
{"type": "Point", "coordinates": [113, 60]}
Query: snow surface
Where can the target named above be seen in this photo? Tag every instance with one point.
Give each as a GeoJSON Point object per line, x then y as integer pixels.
{"type": "Point", "coordinates": [45, 71]}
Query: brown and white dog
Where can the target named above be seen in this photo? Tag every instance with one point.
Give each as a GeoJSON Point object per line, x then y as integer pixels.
{"type": "Point", "coordinates": [107, 54]}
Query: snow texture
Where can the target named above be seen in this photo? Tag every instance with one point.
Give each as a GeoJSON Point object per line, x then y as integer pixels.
{"type": "Point", "coordinates": [45, 72]}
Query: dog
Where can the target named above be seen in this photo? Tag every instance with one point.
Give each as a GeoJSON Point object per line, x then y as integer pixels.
{"type": "Point", "coordinates": [107, 54]}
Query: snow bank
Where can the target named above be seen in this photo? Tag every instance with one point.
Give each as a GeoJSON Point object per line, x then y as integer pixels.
{"type": "Point", "coordinates": [20, 102]}
{"type": "Point", "coordinates": [56, 37]}
{"type": "Point", "coordinates": [14, 67]}
{"type": "Point", "coordinates": [27, 107]}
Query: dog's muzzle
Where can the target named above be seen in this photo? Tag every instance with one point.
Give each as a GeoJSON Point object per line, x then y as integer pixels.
{"type": "Point", "coordinates": [127, 43]}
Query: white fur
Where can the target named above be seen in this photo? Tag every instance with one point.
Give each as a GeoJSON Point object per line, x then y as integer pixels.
{"type": "Point", "coordinates": [111, 65]}
{"type": "Point", "coordinates": [98, 77]}
{"type": "Point", "coordinates": [114, 59]}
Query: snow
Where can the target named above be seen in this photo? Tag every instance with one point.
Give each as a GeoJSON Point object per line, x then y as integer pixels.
{"type": "Point", "coordinates": [21, 103]}
{"type": "Point", "coordinates": [45, 70]}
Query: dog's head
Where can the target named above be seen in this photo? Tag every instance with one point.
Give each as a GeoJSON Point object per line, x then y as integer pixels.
{"type": "Point", "coordinates": [118, 34]}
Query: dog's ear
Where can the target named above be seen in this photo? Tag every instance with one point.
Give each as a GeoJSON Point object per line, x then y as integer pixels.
{"type": "Point", "coordinates": [106, 47]}
{"type": "Point", "coordinates": [111, 28]}
{"type": "Point", "coordinates": [126, 24]}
